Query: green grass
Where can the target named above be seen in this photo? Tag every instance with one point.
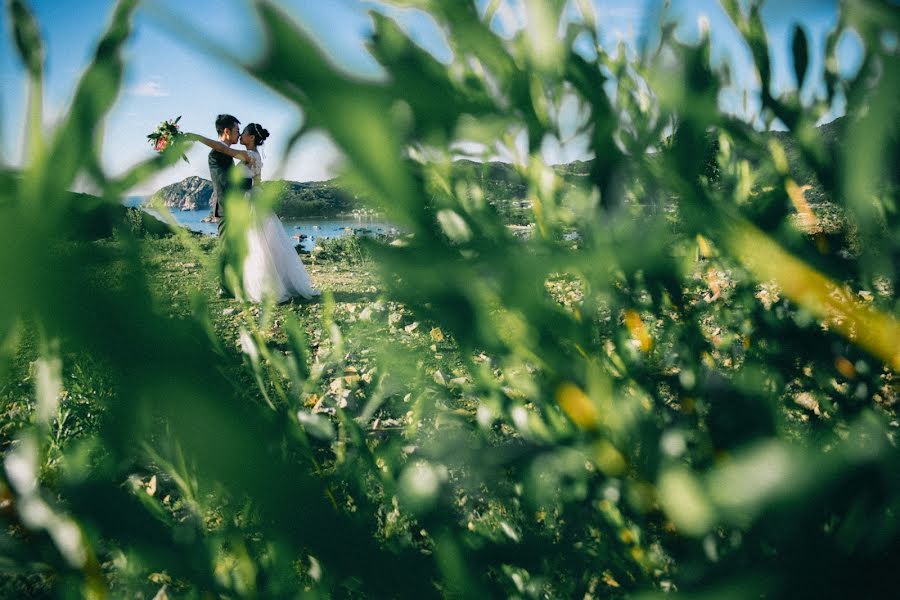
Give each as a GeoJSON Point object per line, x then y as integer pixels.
{"type": "Point", "coordinates": [400, 378]}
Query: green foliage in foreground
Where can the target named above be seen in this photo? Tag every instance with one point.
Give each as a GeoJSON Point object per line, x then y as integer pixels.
{"type": "Point", "coordinates": [678, 381]}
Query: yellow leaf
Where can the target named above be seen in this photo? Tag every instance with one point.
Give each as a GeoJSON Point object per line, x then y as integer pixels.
{"type": "Point", "coordinates": [577, 406]}
{"type": "Point", "coordinates": [609, 580]}
{"type": "Point", "coordinates": [873, 330]}
{"type": "Point", "coordinates": [845, 367]}
{"type": "Point", "coordinates": [795, 192]}
{"type": "Point", "coordinates": [703, 246]}
{"type": "Point", "coordinates": [637, 330]}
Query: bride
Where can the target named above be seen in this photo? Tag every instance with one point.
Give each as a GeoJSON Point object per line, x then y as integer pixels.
{"type": "Point", "coordinates": [272, 268]}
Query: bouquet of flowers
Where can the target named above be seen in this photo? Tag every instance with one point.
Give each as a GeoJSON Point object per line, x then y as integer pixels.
{"type": "Point", "coordinates": [165, 135]}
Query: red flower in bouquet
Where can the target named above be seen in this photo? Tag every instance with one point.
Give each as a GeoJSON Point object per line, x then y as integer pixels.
{"type": "Point", "coordinates": [165, 135]}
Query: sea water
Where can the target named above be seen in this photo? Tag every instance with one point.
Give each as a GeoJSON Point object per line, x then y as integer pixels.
{"type": "Point", "coordinates": [305, 231]}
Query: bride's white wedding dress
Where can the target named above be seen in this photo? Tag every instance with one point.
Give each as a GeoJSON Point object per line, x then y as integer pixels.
{"type": "Point", "coordinates": [272, 268]}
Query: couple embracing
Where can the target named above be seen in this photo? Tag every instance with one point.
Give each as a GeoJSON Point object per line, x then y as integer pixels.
{"type": "Point", "coordinates": [271, 268]}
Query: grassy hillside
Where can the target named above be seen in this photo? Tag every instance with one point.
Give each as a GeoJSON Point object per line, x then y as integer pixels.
{"type": "Point", "coordinates": [379, 385]}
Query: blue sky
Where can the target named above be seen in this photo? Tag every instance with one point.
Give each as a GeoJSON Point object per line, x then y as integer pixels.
{"type": "Point", "coordinates": [168, 75]}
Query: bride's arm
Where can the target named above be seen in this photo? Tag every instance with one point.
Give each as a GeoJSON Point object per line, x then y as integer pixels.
{"type": "Point", "coordinates": [217, 145]}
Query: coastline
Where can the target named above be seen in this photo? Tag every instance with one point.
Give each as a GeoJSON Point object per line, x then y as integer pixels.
{"type": "Point", "coordinates": [306, 231]}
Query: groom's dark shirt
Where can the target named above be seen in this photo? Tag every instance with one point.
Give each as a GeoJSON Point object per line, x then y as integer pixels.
{"type": "Point", "coordinates": [219, 166]}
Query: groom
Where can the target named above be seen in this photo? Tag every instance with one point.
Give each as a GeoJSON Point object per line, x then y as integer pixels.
{"type": "Point", "coordinates": [220, 164]}
{"type": "Point", "coordinates": [227, 126]}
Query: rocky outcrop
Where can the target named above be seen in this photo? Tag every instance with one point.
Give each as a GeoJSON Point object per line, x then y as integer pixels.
{"type": "Point", "coordinates": [192, 193]}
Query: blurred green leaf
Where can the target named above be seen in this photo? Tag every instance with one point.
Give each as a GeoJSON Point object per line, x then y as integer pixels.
{"type": "Point", "coordinates": [27, 37]}
{"type": "Point", "coordinates": [800, 51]}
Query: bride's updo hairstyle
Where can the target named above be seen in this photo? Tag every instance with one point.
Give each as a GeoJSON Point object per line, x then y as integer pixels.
{"type": "Point", "coordinates": [258, 132]}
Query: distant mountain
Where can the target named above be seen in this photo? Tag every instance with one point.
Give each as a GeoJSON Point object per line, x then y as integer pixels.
{"type": "Point", "coordinates": [312, 198]}
{"type": "Point", "coordinates": [831, 134]}
{"type": "Point", "coordinates": [502, 184]}
{"type": "Point", "coordinates": [297, 199]}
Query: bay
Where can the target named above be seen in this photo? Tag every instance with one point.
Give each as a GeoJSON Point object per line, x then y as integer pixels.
{"type": "Point", "coordinates": [306, 232]}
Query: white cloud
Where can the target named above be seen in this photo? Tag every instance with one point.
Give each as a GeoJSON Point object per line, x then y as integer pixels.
{"type": "Point", "coordinates": [151, 88]}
